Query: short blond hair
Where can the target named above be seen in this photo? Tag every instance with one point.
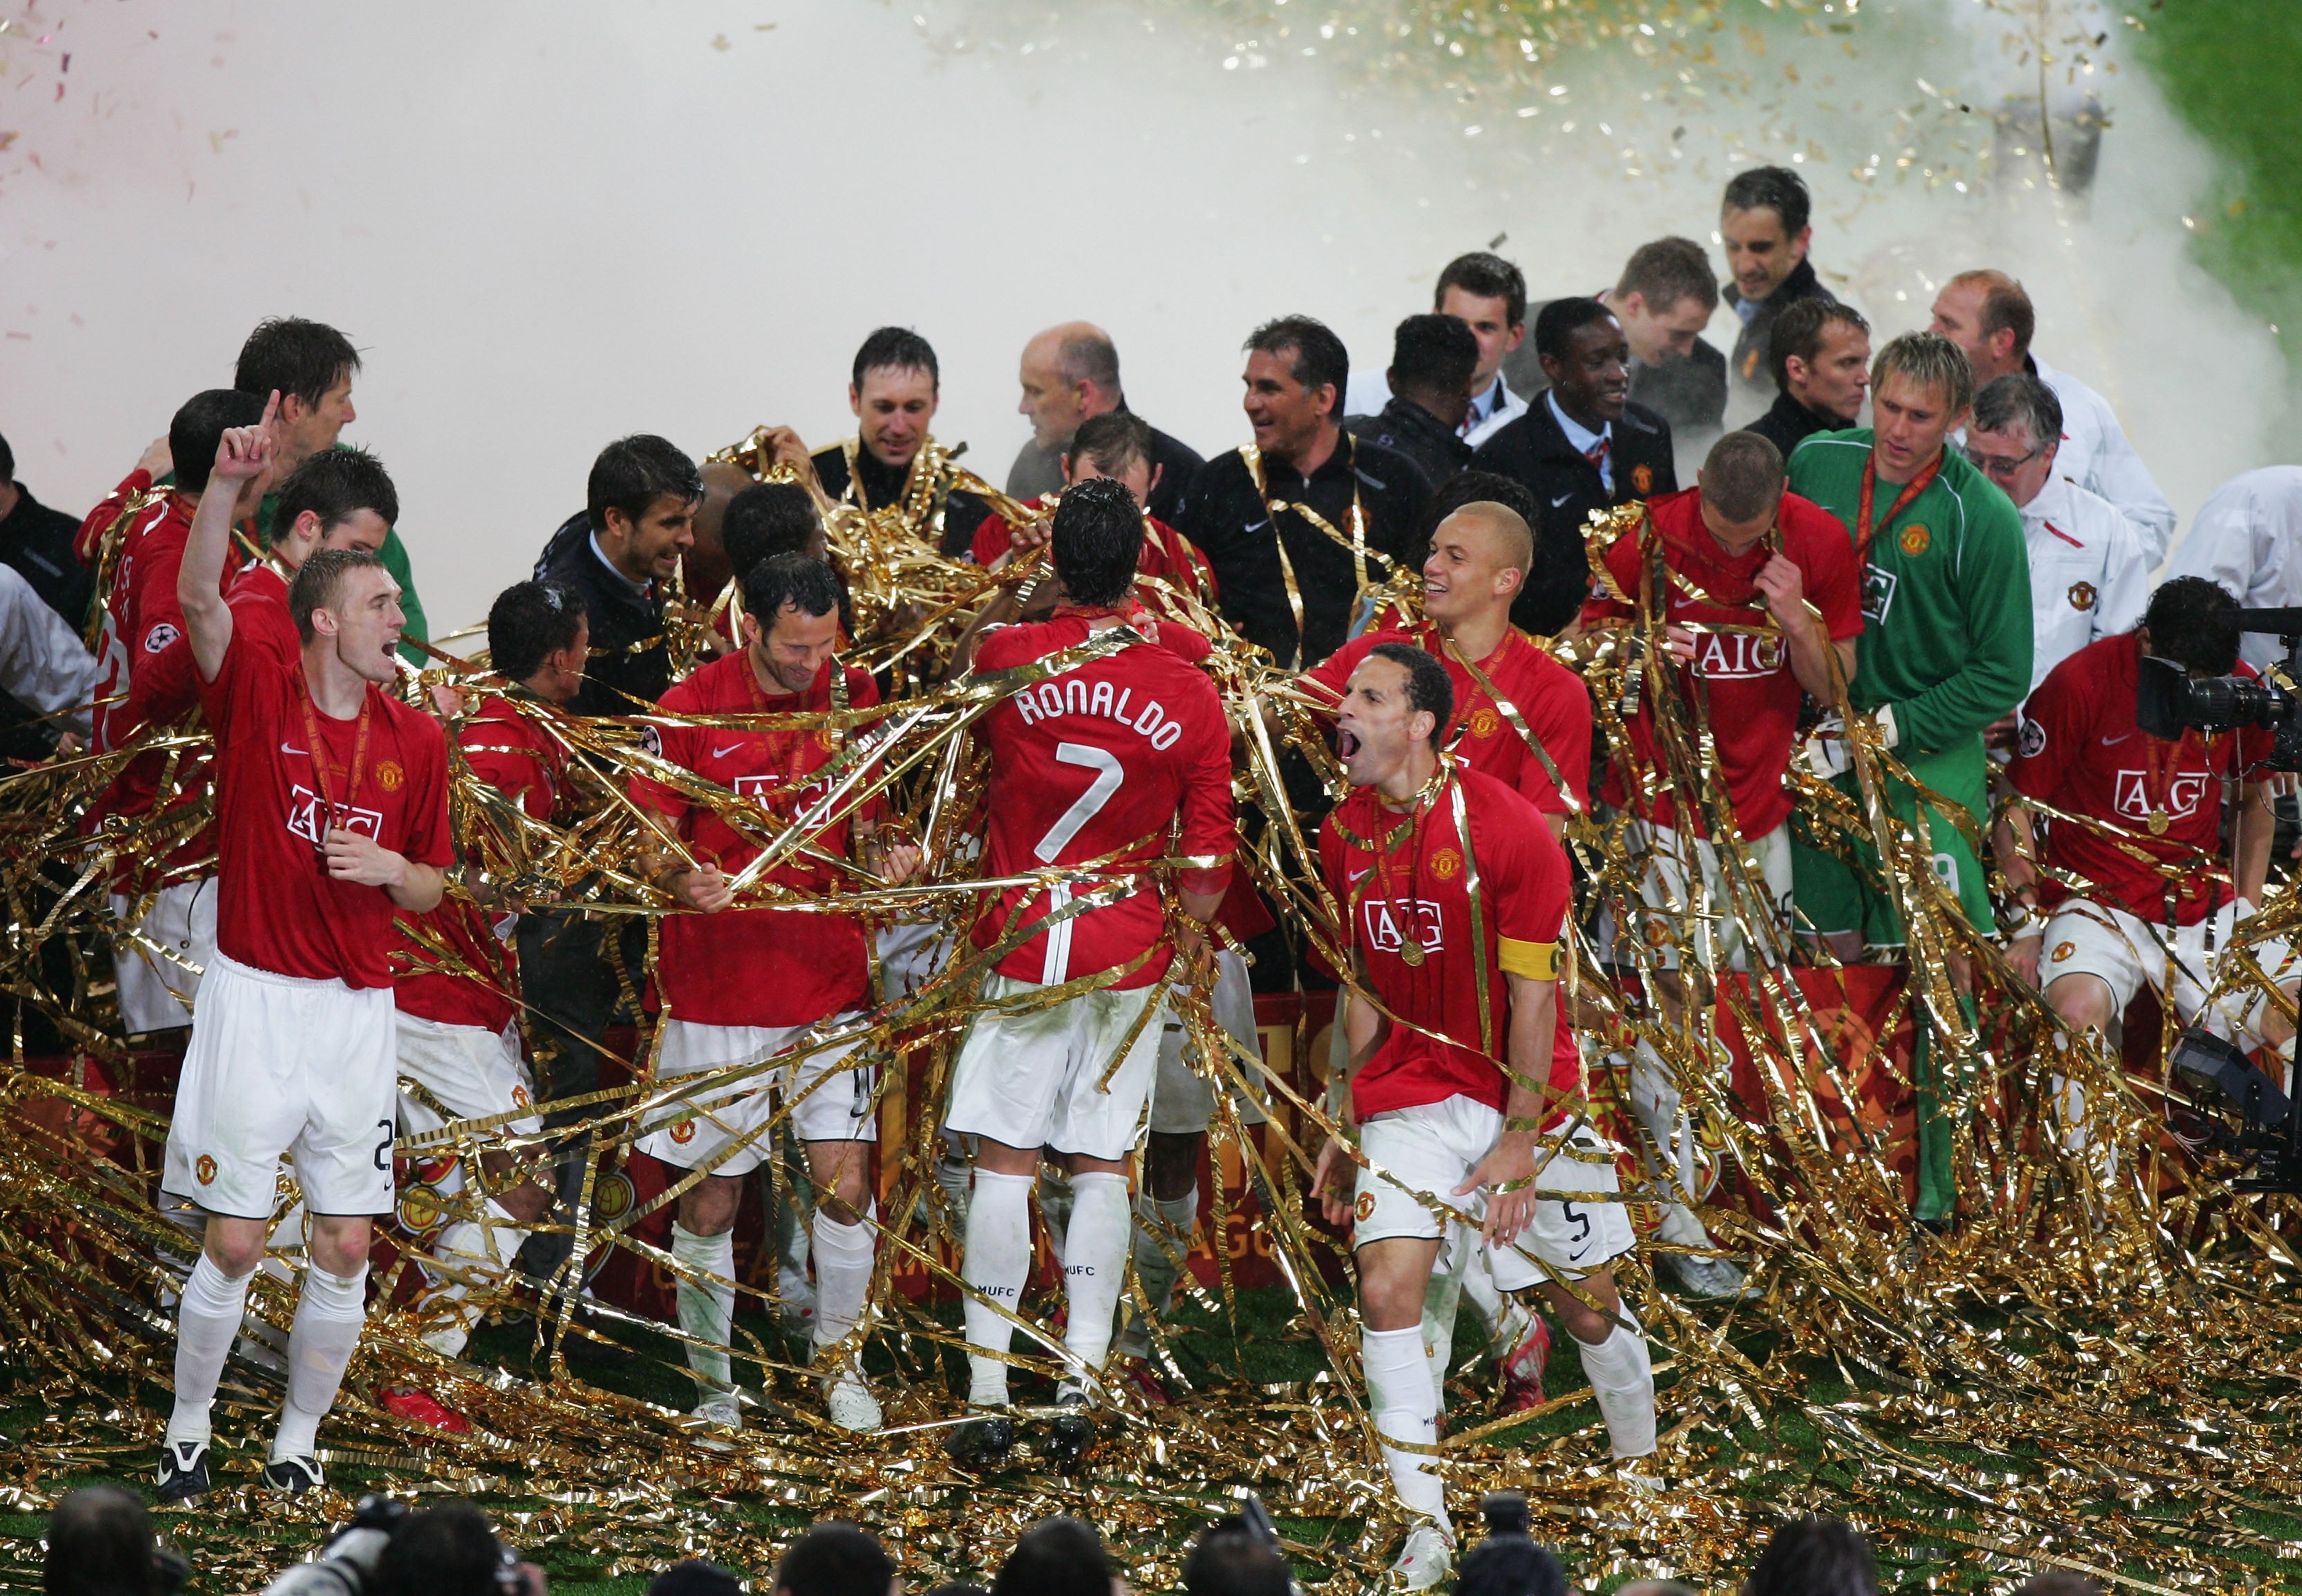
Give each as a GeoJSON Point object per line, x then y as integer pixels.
{"type": "Point", "coordinates": [1931, 361]}
{"type": "Point", "coordinates": [1507, 524]}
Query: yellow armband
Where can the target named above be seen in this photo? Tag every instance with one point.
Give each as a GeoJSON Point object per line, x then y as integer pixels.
{"type": "Point", "coordinates": [1535, 961]}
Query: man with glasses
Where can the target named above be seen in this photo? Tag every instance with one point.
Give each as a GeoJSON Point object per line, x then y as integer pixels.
{"type": "Point", "coordinates": [2089, 574]}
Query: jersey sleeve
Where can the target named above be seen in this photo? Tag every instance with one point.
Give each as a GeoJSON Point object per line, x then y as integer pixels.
{"type": "Point", "coordinates": [1622, 562]}
{"type": "Point", "coordinates": [1559, 717]}
{"type": "Point", "coordinates": [2056, 722]}
{"type": "Point", "coordinates": [430, 838]}
{"type": "Point", "coordinates": [1327, 680]}
{"type": "Point", "coordinates": [226, 701]}
{"type": "Point", "coordinates": [87, 543]}
{"type": "Point", "coordinates": [1527, 883]}
{"type": "Point", "coordinates": [1209, 827]}
{"type": "Point", "coordinates": [160, 682]}
{"type": "Point", "coordinates": [993, 538]}
{"type": "Point", "coordinates": [1992, 581]}
{"type": "Point", "coordinates": [1826, 563]}
{"type": "Point", "coordinates": [515, 769]}
{"type": "Point", "coordinates": [675, 745]}
{"type": "Point", "coordinates": [1331, 872]}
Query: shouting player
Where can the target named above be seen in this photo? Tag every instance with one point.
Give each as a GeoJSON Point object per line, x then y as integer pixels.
{"type": "Point", "coordinates": [2146, 821]}
{"type": "Point", "coordinates": [331, 815]}
{"type": "Point", "coordinates": [744, 986]}
{"type": "Point", "coordinates": [1728, 568]}
{"type": "Point", "coordinates": [1466, 1082]}
{"type": "Point", "coordinates": [1090, 767]}
{"type": "Point", "coordinates": [1525, 719]}
{"type": "Point", "coordinates": [459, 1042]}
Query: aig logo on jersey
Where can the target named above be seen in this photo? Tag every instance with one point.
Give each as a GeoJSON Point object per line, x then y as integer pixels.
{"type": "Point", "coordinates": [1723, 655]}
{"type": "Point", "coordinates": [305, 818]}
{"type": "Point", "coordinates": [1386, 924]}
{"type": "Point", "coordinates": [2184, 793]}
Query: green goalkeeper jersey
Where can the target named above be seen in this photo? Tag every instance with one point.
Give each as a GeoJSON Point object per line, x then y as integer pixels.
{"type": "Point", "coordinates": [1945, 593]}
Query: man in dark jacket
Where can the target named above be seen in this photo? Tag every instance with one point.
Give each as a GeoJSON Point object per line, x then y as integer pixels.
{"type": "Point", "coordinates": [1069, 374]}
{"type": "Point", "coordinates": [1664, 299]}
{"type": "Point", "coordinates": [1820, 353]}
{"type": "Point", "coordinates": [639, 518]}
{"type": "Point", "coordinates": [1431, 359]}
{"type": "Point", "coordinates": [38, 542]}
{"type": "Point", "coordinates": [895, 388]}
{"type": "Point", "coordinates": [1291, 523]}
{"type": "Point", "coordinates": [1763, 220]}
{"type": "Point", "coordinates": [1584, 446]}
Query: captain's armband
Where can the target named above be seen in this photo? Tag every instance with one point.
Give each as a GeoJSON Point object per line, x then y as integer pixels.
{"type": "Point", "coordinates": [1533, 961]}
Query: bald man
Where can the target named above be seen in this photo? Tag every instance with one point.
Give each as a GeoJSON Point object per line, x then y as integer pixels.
{"type": "Point", "coordinates": [1069, 373]}
{"type": "Point", "coordinates": [1989, 316]}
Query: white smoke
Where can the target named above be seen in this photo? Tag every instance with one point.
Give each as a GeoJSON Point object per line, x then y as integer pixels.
{"type": "Point", "coordinates": [548, 224]}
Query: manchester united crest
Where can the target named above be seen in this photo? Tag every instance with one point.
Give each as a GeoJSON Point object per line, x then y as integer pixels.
{"type": "Point", "coordinates": [2082, 595]}
{"type": "Point", "coordinates": [1446, 864]}
{"type": "Point", "coordinates": [1365, 1208]}
{"type": "Point", "coordinates": [2064, 950]}
{"type": "Point", "coordinates": [1642, 478]}
{"type": "Point", "coordinates": [1915, 539]}
{"type": "Point", "coordinates": [389, 777]}
{"type": "Point", "coordinates": [684, 1132]}
{"type": "Point", "coordinates": [204, 1171]}
{"type": "Point", "coordinates": [1484, 723]}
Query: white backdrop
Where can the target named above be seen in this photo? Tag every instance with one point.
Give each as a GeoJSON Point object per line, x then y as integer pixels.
{"type": "Point", "coordinates": [547, 225]}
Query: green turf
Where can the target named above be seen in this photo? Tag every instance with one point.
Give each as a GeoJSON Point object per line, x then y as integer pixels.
{"type": "Point", "coordinates": [2230, 69]}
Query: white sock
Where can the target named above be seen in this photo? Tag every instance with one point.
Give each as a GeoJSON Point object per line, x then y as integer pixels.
{"type": "Point", "coordinates": [995, 1264]}
{"type": "Point", "coordinates": [1055, 1212]}
{"type": "Point", "coordinates": [1655, 1099]}
{"type": "Point", "coordinates": [842, 1274]}
{"type": "Point", "coordinates": [1094, 1267]}
{"type": "Point", "coordinates": [1622, 1378]}
{"type": "Point", "coordinates": [207, 1320]}
{"type": "Point", "coordinates": [469, 1253]}
{"type": "Point", "coordinates": [1162, 1225]}
{"type": "Point", "coordinates": [329, 1313]}
{"type": "Point", "coordinates": [1399, 1393]}
{"type": "Point", "coordinates": [707, 1307]}
{"type": "Point", "coordinates": [1442, 1299]}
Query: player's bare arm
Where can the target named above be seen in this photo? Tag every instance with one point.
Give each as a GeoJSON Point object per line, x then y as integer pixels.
{"type": "Point", "coordinates": [1364, 1028]}
{"type": "Point", "coordinates": [356, 857]}
{"type": "Point", "coordinates": [241, 454]}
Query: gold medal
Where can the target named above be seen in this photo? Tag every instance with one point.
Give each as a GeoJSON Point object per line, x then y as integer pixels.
{"type": "Point", "coordinates": [1411, 954]}
{"type": "Point", "coordinates": [2159, 821]}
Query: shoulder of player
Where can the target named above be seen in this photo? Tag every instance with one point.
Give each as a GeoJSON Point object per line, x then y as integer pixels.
{"type": "Point", "coordinates": [1828, 453]}
{"type": "Point", "coordinates": [705, 687]}
{"type": "Point", "coordinates": [1983, 507]}
{"type": "Point", "coordinates": [862, 687]}
{"type": "Point", "coordinates": [1501, 815]}
{"type": "Point", "coordinates": [1010, 645]}
{"type": "Point", "coordinates": [412, 726]}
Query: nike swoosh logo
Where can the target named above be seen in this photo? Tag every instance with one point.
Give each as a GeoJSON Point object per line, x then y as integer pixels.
{"type": "Point", "coordinates": [285, 749]}
{"type": "Point", "coordinates": [1258, 526]}
{"type": "Point", "coordinates": [721, 753]}
{"type": "Point", "coordinates": [1356, 875]}
{"type": "Point", "coordinates": [2121, 737]}
{"type": "Point", "coordinates": [1562, 499]}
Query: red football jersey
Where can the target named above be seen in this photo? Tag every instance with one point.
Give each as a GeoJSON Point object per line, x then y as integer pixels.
{"type": "Point", "coordinates": [1167, 554]}
{"type": "Point", "coordinates": [1098, 765]}
{"type": "Point", "coordinates": [258, 597]}
{"type": "Point", "coordinates": [144, 677]}
{"type": "Point", "coordinates": [1420, 889]}
{"type": "Point", "coordinates": [278, 909]}
{"type": "Point", "coordinates": [1753, 699]}
{"type": "Point", "coordinates": [763, 966]}
{"type": "Point", "coordinates": [503, 749]}
{"type": "Point", "coordinates": [1548, 696]}
{"type": "Point", "coordinates": [2080, 751]}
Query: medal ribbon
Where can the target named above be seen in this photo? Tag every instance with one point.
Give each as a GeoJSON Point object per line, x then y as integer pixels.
{"type": "Point", "coordinates": [1864, 530]}
{"type": "Point", "coordinates": [320, 755]}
